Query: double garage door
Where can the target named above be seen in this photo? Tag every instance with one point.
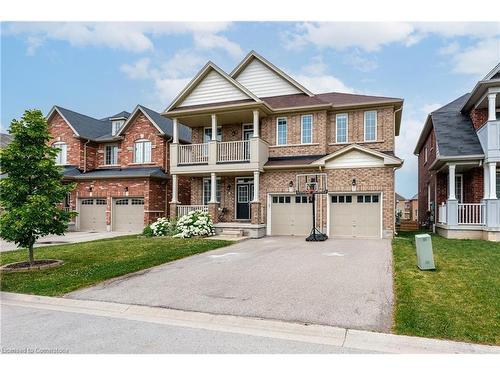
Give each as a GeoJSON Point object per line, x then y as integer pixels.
{"type": "Point", "coordinates": [351, 215]}
{"type": "Point", "coordinates": [127, 214]}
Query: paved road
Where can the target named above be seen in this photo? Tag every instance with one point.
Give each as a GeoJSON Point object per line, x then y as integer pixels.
{"type": "Point", "coordinates": [69, 237]}
{"type": "Point", "coordinates": [38, 329]}
{"type": "Point", "coordinates": [343, 283]}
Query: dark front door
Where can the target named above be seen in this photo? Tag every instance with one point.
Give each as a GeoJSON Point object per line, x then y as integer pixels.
{"type": "Point", "coordinates": [244, 193]}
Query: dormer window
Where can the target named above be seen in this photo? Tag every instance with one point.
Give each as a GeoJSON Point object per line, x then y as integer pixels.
{"type": "Point", "coordinates": [116, 125]}
{"type": "Point", "coordinates": [62, 155]}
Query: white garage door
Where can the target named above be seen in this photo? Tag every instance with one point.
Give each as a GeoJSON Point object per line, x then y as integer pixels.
{"type": "Point", "coordinates": [291, 215]}
{"type": "Point", "coordinates": [92, 215]}
{"type": "Point", "coordinates": [355, 215]}
{"type": "Point", "coordinates": [128, 214]}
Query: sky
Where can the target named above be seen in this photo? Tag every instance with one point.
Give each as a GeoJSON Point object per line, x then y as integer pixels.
{"type": "Point", "coordinates": [103, 68]}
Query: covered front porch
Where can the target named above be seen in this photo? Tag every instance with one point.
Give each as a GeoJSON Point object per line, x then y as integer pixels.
{"type": "Point", "coordinates": [471, 208]}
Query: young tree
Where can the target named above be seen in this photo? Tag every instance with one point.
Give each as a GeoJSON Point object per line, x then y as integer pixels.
{"type": "Point", "coordinates": [31, 189]}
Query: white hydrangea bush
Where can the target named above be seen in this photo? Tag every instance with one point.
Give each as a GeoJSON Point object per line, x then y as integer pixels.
{"type": "Point", "coordinates": [195, 223]}
{"type": "Point", "coordinates": [161, 227]}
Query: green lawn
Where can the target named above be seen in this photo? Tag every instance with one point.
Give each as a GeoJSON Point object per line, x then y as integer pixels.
{"type": "Point", "coordinates": [458, 301]}
{"type": "Point", "coordinates": [92, 262]}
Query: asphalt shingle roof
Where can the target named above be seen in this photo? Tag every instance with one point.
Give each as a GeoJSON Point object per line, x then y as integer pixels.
{"type": "Point", "coordinates": [455, 134]}
{"type": "Point", "coordinates": [5, 139]}
{"type": "Point", "coordinates": [155, 172]}
{"type": "Point", "coordinates": [166, 125]}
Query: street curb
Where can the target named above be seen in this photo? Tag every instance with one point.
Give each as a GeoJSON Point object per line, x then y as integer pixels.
{"type": "Point", "coordinates": [310, 333]}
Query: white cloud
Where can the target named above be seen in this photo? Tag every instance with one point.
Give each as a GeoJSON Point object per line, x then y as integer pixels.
{"type": "Point", "coordinates": [129, 36]}
{"type": "Point", "coordinates": [450, 49]}
{"type": "Point", "coordinates": [360, 63]}
{"type": "Point", "coordinates": [478, 59]}
{"type": "Point", "coordinates": [139, 70]}
{"type": "Point", "coordinates": [323, 83]}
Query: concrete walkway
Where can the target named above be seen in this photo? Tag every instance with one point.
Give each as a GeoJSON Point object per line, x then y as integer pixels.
{"type": "Point", "coordinates": [339, 339]}
{"type": "Point", "coordinates": [69, 237]}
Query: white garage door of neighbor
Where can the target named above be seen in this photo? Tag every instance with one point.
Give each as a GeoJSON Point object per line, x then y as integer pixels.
{"type": "Point", "coordinates": [128, 214]}
{"type": "Point", "coordinates": [92, 215]}
{"type": "Point", "coordinates": [355, 215]}
{"type": "Point", "coordinates": [291, 215]}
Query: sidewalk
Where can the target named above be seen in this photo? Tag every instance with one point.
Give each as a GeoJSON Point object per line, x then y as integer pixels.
{"type": "Point", "coordinates": [315, 334]}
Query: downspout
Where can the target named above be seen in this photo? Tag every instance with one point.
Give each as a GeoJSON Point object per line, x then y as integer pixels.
{"type": "Point", "coordinates": [85, 156]}
{"type": "Point", "coordinates": [167, 161]}
{"type": "Point", "coordinates": [394, 170]}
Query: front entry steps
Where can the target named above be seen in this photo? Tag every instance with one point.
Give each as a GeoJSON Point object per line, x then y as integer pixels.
{"type": "Point", "coordinates": [231, 235]}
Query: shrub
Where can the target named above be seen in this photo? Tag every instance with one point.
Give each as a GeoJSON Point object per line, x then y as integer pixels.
{"type": "Point", "coordinates": [161, 227]}
{"type": "Point", "coordinates": [148, 232]}
{"type": "Point", "coordinates": [195, 223]}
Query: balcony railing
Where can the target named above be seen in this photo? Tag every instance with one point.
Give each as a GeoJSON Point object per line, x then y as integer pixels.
{"type": "Point", "coordinates": [235, 151]}
{"type": "Point", "coordinates": [471, 213]}
{"type": "Point", "coordinates": [185, 209]}
{"type": "Point", "coordinates": [193, 154]}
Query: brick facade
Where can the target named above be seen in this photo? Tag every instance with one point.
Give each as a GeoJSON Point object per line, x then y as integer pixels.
{"type": "Point", "coordinates": [479, 116]}
{"type": "Point", "coordinates": [426, 178]}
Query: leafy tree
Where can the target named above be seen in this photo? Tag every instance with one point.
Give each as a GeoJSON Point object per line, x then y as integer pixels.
{"type": "Point", "coordinates": [32, 190]}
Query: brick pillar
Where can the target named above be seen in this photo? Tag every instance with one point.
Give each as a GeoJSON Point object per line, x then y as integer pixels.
{"type": "Point", "coordinates": [255, 212]}
{"type": "Point", "coordinates": [213, 210]}
{"type": "Point", "coordinates": [173, 210]}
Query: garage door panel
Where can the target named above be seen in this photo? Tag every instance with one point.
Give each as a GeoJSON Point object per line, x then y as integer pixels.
{"type": "Point", "coordinates": [128, 214]}
{"type": "Point", "coordinates": [290, 215]}
{"type": "Point", "coordinates": [355, 215]}
{"type": "Point", "coordinates": [92, 215]}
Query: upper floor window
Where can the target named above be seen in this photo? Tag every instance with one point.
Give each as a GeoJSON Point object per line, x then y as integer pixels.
{"type": "Point", "coordinates": [306, 128]}
{"type": "Point", "coordinates": [371, 126]}
{"type": "Point", "coordinates": [111, 154]}
{"type": "Point", "coordinates": [281, 131]}
{"type": "Point", "coordinates": [426, 154]}
{"type": "Point", "coordinates": [142, 151]}
{"type": "Point", "coordinates": [341, 128]}
{"type": "Point", "coordinates": [207, 134]}
{"type": "Point", "coordinates": [115, 126]}
{"type": "Point", "coordinates": [62, 155]}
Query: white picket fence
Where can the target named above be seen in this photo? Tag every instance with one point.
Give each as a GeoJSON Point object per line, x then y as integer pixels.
{"type": "Point", "coordinates": [471, 213]}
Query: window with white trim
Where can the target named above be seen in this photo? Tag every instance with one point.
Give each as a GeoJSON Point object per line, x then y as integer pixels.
{"type": "Point", "coordinates": [111, 154]}
{"type": "Point", "coordinates": [207, 190]}
{"type": "Point", "coordinates": [459, 188]}
{"type": "Point", "coordinates": [306, 129]}
{"type": "Point", "coordinates": [498, 185]}
{"type": "Point", "coordinates": [207, 134]}
{"type": "Point", "coordinates": [371, 126]}
{"type": "Point", "coordinates": [142, 151]}
{"type": "Point", "coordinates": [116, 125]}
{"type": "Point", "coordinates": [62, 154]}
{"type": "Point", "coordinates": [341, 128]}
{"type": "Point", "coordinates": [426, 154]}
{"type": "Point", "coordinates": [281, 131]}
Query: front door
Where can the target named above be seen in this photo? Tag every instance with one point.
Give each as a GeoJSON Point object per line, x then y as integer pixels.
{"type": "Point", "coordinates": [244, 194]}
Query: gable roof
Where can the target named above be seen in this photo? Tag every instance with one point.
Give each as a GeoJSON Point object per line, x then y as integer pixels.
{"type": "Point", "coordinates": [209, 67]}
{"type": "Point", "coordinates": [120, 115]}
{"type": "Point", "coordinates": [388, 159]}
{"type": "Point", "coordinates": [83, 126]}
{"type": "Point", "coordinates": [5, 139]}
{"type": "Point", "coordinates": [400, 197]}
{"type": "Point", "coordinates": [252, 55]}
{"type": "Point", "coordinates": [455, 134]}
{"type": "Point", "coordinates": [492, 73]}
{"type": "Point", "coordinates": [162, 124]}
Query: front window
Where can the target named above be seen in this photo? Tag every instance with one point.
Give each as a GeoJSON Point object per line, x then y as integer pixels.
{"type": "Point", "coordinates": [282, 131]}
{"type": "Point", "coordinates": [306, 128]}
{"type": "Point", "coordinates": [115, 126]}
{"type": "Point", "coordinates": [459, 190]}
{"type": "Point", "coordinates": [371, 126]}
{"type": "Point", "coordinates": [341, 122]}
{"type": "Point", "coordinates": [426, 154]}
{"type": "Point", "coordinates": [111, 152]}
{"type": "Point", "coordinates": [207, 188]}
{"type": "Point", "coordinates": [498, 185]}
{"type": "Point", "coordinates": [142, 151]}
{"type": "Point", "coordinates": [207, 137]}
{"type": "Point", "coordinates": [62, 154]}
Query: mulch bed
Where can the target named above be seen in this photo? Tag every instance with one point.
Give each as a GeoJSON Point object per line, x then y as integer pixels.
{"type": "Point", "coordinates": [25, 266]}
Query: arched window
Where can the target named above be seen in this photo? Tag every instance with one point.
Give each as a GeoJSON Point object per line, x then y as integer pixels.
{"type": "Point", "coordinates": [142, 151]}
{"type": "Point", "coordinates": [62, 155]}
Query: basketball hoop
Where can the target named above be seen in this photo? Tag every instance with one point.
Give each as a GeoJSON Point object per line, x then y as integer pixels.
{"type": "Point", "coordinates": [311, 185]}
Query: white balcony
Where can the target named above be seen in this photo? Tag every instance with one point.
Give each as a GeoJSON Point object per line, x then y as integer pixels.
{"type": "Point", "coordinates": [466, 214]}
{"type": "Point", "coordinates": [185, 209]}
{"type": "Point", "coordinates": [214, 156]}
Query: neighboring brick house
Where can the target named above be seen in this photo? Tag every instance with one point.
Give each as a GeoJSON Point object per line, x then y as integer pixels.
{"type": "Point", "coordinates": [256, 129]}
{"type": "Point", "coordinates": [458, 158]}
{"type": "Point", "coordinates": [119, 165]}
{"type": "Point", "coordinates": [403, 206]}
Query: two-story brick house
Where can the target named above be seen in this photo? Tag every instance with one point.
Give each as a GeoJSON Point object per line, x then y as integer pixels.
{"type": "Point", "coordinates": [119, 165]}
{"type": "Point", "coordinates": [254, 130]}
{"type": "Point", "coordinates": [458, 157]}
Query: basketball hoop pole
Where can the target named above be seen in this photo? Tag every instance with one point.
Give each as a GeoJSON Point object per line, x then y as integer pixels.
{"type": "Point", "coordinates": [314, 183]}
{"type": "Point", "coordinates": [315, 234]}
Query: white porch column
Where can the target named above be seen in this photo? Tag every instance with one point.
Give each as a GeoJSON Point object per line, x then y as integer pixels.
{"type": "Point", "coordinates": [492, 115]}
{"type": "Point", "coordinates": [451, 181]}
{"type": "Point", "coordinates": [213, 188]}
{"type": "Point", "coordinates": [256, 176]}
{"type": "Point", "coordinates": [175, 189]}
{"type": "Point", "coordinates": [214, 127]}
{"type": "Point", "coordinates": [175, 131]}
{"type": "Point", "coordinates": [486, 181]}
{"type": "Point", "coordinates": [493, 180]}
{"type": "Point", "coordinates": [256, 123]}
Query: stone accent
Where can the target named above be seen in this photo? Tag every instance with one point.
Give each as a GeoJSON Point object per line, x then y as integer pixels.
{"type": "Point", "coordinates": [479, 117]}
{"type": "Point", "coordinates": [255, 210]}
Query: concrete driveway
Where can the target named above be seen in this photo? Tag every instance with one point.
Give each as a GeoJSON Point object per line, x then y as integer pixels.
{"type": "Point", "coordinates": [346, 283]}
{"type": "Point", "coordinates": [68, 237]}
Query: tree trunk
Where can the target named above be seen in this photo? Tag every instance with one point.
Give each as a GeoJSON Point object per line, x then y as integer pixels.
{"type": "Point", "coordinates": [31, 257]}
